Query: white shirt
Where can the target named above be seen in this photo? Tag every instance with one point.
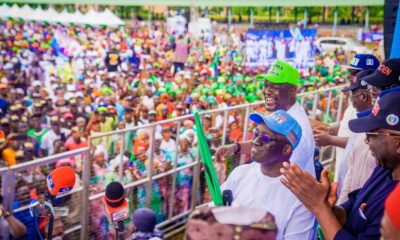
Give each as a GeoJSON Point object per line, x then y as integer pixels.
{"type": "Point", "coordinates": [344, 131]}
{"type": "Point", "coordinates": [251, 188]}
{"type": "Point", "coordinates": [303, 154]}
{"type": "Point", "coordinates": [169, 146]}
{"type": "Point", "coordinates": [342, 166]}
{"type": "Point", "coordinates": [50, 137]}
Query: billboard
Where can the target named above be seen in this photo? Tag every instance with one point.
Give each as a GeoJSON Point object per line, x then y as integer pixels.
{"type": "Point", "coordinates": [295, 46]}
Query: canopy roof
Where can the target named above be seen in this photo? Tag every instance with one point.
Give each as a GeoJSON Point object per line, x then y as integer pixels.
{"type": "Point", "coordinates": [50, 15]}
{"type": "Point", "coordinates": [219, 3]}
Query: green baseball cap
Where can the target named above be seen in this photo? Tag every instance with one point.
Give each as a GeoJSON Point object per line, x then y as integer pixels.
{"type": "Point", "coordinates": [281, 72]}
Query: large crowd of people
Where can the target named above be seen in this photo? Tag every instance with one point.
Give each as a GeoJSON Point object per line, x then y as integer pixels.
{"type": "Point", "coordinates": [63, 86]}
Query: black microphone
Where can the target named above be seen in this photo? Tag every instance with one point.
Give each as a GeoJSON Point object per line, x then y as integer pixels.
{"type": "Point", "coordinates": [116, 207]}
{"type": "Point", "coordinates": [227, 198]}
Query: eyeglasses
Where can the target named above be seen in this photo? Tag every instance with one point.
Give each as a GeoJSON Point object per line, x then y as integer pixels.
{"type": "Point", "coordinates": [264, 138]}
{"type": "Point", "coordinates": [368, 135]}
{"type": "Point", "coordinates": [354, 95]}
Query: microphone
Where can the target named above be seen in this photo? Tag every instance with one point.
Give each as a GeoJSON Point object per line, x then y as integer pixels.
{"type": "Point", "coordinates": [116, 207]}
{"type": "Point", "coordinates": [227, 198]}
{"type": "Point", "coordinates": [61, 180]}
{"type": "Point", "coordinates": [115, 203]}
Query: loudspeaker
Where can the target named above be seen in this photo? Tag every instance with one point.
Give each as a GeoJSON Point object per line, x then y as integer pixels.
{"type": "Point", "coordinates": [390, 14]}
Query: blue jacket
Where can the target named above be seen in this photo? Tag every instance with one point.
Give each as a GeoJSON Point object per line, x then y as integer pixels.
{"type": "Point", "coordinates": [364, 222]}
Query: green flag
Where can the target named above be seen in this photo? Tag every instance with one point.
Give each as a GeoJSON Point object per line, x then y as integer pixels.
{"type": "Point", "coordinates": [211, 174]}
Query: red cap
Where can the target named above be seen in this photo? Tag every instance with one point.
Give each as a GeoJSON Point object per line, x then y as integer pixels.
{"type": "Point", "coordinates": [68, 115]}
{"type": "Point", "coordinates": [392, 206]}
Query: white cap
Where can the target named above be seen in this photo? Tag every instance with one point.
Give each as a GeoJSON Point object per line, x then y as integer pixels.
{"type": "Point", "coordinates": [79, 94]}
{"type": "Point", "coordinates": [20, 91]}
{"type": "Point", "coordinates": [37, 83]}
{"type": "Point", "coordinates": [69, 95]}
{"type": "Point", "coordinates": [4, 80]}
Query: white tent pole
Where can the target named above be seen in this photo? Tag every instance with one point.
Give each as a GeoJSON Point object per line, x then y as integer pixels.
{"type": "Point", "coordinates": [335, 22]}
{"type": "Point", "coordinates": [251, 17]}
{"type": "Point", "coordinates": [229, 17]}
{"type": "Point", "coordinates": [149, 17]}
{"type": "Point", "coordinates": [206, 12]}
{"type": "Point", "coordinates": [277, 15]}
{"type": "Point", "coordinates": [305, 18]}
{"type": "Point", "coordinates": [366, 19]}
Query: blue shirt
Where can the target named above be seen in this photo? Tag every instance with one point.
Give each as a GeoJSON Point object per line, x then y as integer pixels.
{"type": "Point", "coordinates": [365, 223]}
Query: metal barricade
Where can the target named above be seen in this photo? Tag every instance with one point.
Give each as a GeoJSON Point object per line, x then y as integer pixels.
{"type": "Point", "coordinates": [109, 157]}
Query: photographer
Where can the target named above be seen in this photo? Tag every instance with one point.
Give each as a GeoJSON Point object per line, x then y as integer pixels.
{"type": "Point", "coordinates": [9, 225]}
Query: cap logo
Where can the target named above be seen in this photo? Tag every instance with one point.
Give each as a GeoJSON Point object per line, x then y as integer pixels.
{"type": "Point", "coordinates": [50, 183]}
{"type": "Point", "coordinates": [363, 83]}
{"type": "Point", "coordinates": [355, 61]}
{"type": "Point", "coordinates": [279, 118]}
{"type": "Point", "coordinates": [292, 137]}
{"type": "Point", "coordinates": [392, 119]}
{"type": "Point", "coordinates": [375, 109]}
{"type": "Point", "coordinates": [370, 62]}
{"type": "Point", "coordinates": [384, 69]}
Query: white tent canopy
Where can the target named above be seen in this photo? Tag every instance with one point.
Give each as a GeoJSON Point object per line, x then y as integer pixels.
{"type": "Point", "coordinates": [4, 9]}
{"type": "Point", "coordinates": [52, 16]}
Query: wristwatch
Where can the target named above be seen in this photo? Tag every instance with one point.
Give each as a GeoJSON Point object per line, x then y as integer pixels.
{"type": "Point", "coordinates": [238, 148]}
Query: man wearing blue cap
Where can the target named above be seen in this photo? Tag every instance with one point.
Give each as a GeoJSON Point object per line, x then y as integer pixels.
{"type": "Point", "coordinates": [257, 184]}
{"type": "Point", "coordinates": [360, 216]}
{"type": "Point", "coordinates": [386, 77]}
{"type": "Point", "coordinates": [338, 136]}
{"type": "Point", "coordinates": [280, 91]}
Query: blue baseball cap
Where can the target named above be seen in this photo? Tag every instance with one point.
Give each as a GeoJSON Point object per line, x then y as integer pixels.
{"type": "Point", "coordinates": [387, 74]}
{"type": "Point", "coordinates": [358, 82]}
{"type": "Point", "coordinates": [364, 62]}
{"type": "Point", "coordinates": [385, 114]}
{"type": "Point", "coordinates": [281, 123]}
{"type": "Point", "coordinates": [144, 219]}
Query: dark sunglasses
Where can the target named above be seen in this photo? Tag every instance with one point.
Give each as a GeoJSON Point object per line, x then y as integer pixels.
{"type": "Point", "coordinates": [264, 138]}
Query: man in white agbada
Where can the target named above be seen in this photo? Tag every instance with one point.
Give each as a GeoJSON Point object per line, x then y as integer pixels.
{"type": "Point", "coordinates": [258, 184]}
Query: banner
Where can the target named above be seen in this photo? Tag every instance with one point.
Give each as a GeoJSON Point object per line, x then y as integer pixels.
{"type": "Point", "coordinates": [295, 46]}
{"type": "Point", "coordinates": [67, 44]}
{"type": "Point", "coordinates": [176, 25]}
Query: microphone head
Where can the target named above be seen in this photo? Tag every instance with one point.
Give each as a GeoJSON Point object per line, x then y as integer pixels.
{"type": "Point", "coordinates": [227, 197]}
{"type": "Point", "coordinates": [61, 180]}
{"type": "Point", "coordinates": [227, 193]}
{"type": "Point", "coordinates": [115, 194]}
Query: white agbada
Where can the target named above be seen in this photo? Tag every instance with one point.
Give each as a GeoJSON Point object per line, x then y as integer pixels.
{"type": "Point", "coordinates": [251, 188]}
{"type": "Point", "coordinates": [303, 154]}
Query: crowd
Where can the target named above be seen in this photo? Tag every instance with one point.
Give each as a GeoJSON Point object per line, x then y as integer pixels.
{"type": "Point", "coordinates": [59, 85]}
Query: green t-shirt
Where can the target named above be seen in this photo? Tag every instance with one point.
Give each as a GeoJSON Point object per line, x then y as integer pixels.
{"type": "Point", "coordinates": [37, 135]}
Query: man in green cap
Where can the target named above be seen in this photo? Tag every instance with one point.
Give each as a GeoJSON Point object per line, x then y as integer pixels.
{"type": "Point", "coordinates": [280, 92]}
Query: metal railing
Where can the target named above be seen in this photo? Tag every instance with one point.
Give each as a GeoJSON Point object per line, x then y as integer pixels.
{"type": "Point", "coordinates": [9, 175]}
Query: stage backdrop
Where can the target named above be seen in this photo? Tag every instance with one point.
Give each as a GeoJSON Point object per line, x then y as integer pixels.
{"type": "Point", "coordinates": [294, 45]}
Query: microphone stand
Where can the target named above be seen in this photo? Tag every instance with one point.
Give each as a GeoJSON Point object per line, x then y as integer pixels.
{"type": "Point", "coordinates": [119, 230]}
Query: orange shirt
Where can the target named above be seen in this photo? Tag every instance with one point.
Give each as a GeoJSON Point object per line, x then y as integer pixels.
{"type": "Point", "coordinates": [9, 157]}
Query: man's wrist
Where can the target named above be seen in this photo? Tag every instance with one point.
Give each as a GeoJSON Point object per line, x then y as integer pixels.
{"type": "Point", "coordinates": [238, 148]}
{"type": "Point", "coordinates": [322, 209]}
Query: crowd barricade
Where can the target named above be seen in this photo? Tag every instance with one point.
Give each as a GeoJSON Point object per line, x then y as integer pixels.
{"type": "Point", "coordinates": [173, 185]}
